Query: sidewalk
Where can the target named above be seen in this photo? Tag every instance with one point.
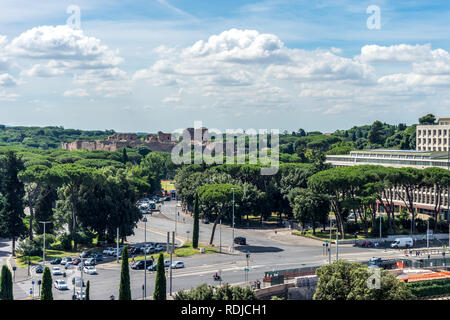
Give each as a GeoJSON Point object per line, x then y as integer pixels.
{"type": "Point", "coordinates": [20, 274]}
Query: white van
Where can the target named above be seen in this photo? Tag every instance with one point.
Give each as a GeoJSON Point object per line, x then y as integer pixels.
{"type": "Point", "coordinates": [402, 243]}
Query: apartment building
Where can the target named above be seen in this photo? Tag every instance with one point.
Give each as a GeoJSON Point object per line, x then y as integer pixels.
{"type": "Point", "coordinates": [434, 137]}
{"type": "Point", "coordinates": [432, 150]}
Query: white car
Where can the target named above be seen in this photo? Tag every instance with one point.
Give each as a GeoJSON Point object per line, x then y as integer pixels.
{"type": "Point", "coordinates": [107, 250]}
{"type": "Point", "coordinates": [177, 265]}
{"type": "Point", "coordinates": [90, 270]}
{"type": "Point", "coordinates": [61, 285]}
{"type": "Point", "coordinates": [166, 263]}
{"type": "Point", "coordinates": [56, 271]}
{"type": "Point", "coordinates": [80, 296]}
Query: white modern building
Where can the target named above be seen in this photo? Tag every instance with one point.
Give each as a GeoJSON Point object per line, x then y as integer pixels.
{"type": "Point", "coordinates": [432, 150]}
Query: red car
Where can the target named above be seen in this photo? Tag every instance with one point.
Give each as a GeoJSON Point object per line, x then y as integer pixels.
{"type": "Point", "coordinates": [76, 261]}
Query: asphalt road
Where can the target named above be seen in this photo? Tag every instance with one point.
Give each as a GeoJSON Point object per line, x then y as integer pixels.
{"type": "Point", "coordinates": [268, 251]}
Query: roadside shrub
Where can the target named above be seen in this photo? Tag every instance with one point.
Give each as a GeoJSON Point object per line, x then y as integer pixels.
{"type": "Point", "coordinates": [49, 240]}
{"type": "Point", "coordinates": [29, 248]}
{"type": "Point", "coordinates": [421, 226]}
{"type": "Point", "coordinates": [65, 242]}
{"type": "Point", "coordinates": [352, 227]}
{"type": "Point", "coordinates": [84, 237]}
{"type": "Point", "coordinates": [430, 287]}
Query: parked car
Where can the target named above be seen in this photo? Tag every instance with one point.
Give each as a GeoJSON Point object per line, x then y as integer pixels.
{"type": "Point", "coordinates": [90, 262]}
{"type": "Point", "coordinates": [66, 260]}
{"type": "Point", "coordinates": [402, 243]}
{"type": "Point", "coordinates": [90, 270]}
{"type": "Point", "coordinates": [149, 250]}
{"type": "Point", "coordinates": [76, 261]}
{"type": "Point", "coordinates": [177, 265]}
{"type": "Point", "coordinates": [159, 248]}
{"type": "Point", "coordinates": [61, 285]}
{"type": "Point", "coordinates": [98, 257]}
{"type": "Point", "coordinates": [56, 261]}
{"type": "Point", "coordinates": [107, 250]}
{"type": "Point", "coordinates": [39, 268]}
{"type": "Point", "coordinates": [166, 263]}
{"type": "Point", "coordinates": [135, 250]}
{"type": "Point", "coordinates": [85, 254]}
{"type": "Point", "coordinates": [384, 264]}
{"type": "Point", "coordinates": [152, 267]}
{"type": "Point", "coordinates": [139, 265]}
{"type": "Point", "coordinates": [80, 296]}
{"type": "Point", "coordinates": [240, 240]}
{"type": "Point", "coordinates": [56, 271]}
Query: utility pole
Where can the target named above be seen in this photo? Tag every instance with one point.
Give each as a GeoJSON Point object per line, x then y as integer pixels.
{"type": "Point", "coordinates": [329, 247]}
{"type": "Point", "coordinates": [176, 218]}
{"type": "Point", "coordinates": [428, 232]}
{"type": "Point", "coordinates": [380, 225]}
{"type": "Point", "coordinates": [220, 236]}
{"type": "Point", "coordinates": [81, 276]}
{"type": "Point", "coordinates": [145, 257]}
{"type": "Point", "coordinates": [337, 245]}
{"type": "Point", "coordinates": [117, 249]}
{"type": "Point", "coordinates": [233, 222]}
{"type": "Point", "coordinates": [170, 267]}
{"type": "Point", "coordinates": [43, 251]}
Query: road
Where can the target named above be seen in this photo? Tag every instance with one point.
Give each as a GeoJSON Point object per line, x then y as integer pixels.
{"type": "Point", "coordinates": [268, 251]}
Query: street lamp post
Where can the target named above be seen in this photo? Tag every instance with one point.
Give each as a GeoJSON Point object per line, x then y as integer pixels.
{"type": "Point", "coordinates": [380, 225]}
{"type": "Point", "coordinates": [117, 249]}
{"type": "Point", "coordinates": [428, 232]}
{"type": "Point", "coordinates": [233, 223]}
{"type": "Point", "coordinates": [220, 236]}
{"type": "Point", "coordinates": [329, 247]}
{"type": "Point", "coordinates": [337, 245]}
{"type": "Point", "coordinates": [43, 251]}
{"type": "Point", "coordinates": [145, 257]}
{"type": "Point", "coordinates": [176, 218]}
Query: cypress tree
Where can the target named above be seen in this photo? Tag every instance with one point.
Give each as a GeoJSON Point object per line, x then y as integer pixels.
{"type": "Point", "coordinates": [6, 284]}
{"type": "Point", "coordinates": [195, 230]}
{"type": "Point", "coordinates": [46, 292]}
{"type": "Point", "coordinates": [124, 156]}
{"type": "Point", "coordinates": [125, 290]}
{"type": "Point", "coordinates": [88, 285]}
{"type": "Point", "coordinates": [160, 281]}
{"type": "Point", "coordinates": [12, 211]}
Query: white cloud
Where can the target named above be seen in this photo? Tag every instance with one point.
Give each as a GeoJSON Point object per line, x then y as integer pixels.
{"type": "Point", "coordinates": [395, 53]}
{"type": "Point", "coordinates": [171, 99]}
{"type": "Point", "coordinates": [339, 108]}
{"type": "Point", "coordinates": [51, 69]}
{"type": "Point", "coordinates": [6, 80]}
{"type": "Point", "coordinates": [4, 96]}
{"type": "Point", "coordinates": [76, 93]}
{"type": "Point", "coordinates": [63, 43]}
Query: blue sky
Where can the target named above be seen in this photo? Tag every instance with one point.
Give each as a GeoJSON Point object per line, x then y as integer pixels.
{"type": "Point", "coordinates": [163, 64]}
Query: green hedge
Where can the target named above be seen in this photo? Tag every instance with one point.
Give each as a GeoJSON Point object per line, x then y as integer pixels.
{"type": "Point", "coordinates": [430, 287]}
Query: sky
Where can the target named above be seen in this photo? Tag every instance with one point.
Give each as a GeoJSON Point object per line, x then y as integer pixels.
{"type": "Point", "coordinates": [144, 66]}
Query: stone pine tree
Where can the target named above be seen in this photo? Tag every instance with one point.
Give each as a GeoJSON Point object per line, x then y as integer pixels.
{"type": "Point", "coordinates": [12, 211]}
{"type": "Point", "coordinates": [46, 292]}
{"type": "Point", "coordinates": [44, 210]}
{"type": "Point", "coordinates": [88, 286]}
{"type": "Point", "coordinates": [195, 230]}
{"type": "Point", "coordinates": [160, 281]}
{"type": "Point", "coordinates": [125, 290]}
{"type": "Point", "coordinates": [6, 284]}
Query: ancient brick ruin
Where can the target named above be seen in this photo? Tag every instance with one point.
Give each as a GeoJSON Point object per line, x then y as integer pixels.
{"type": "Point", "coordinates": [160, 142]}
